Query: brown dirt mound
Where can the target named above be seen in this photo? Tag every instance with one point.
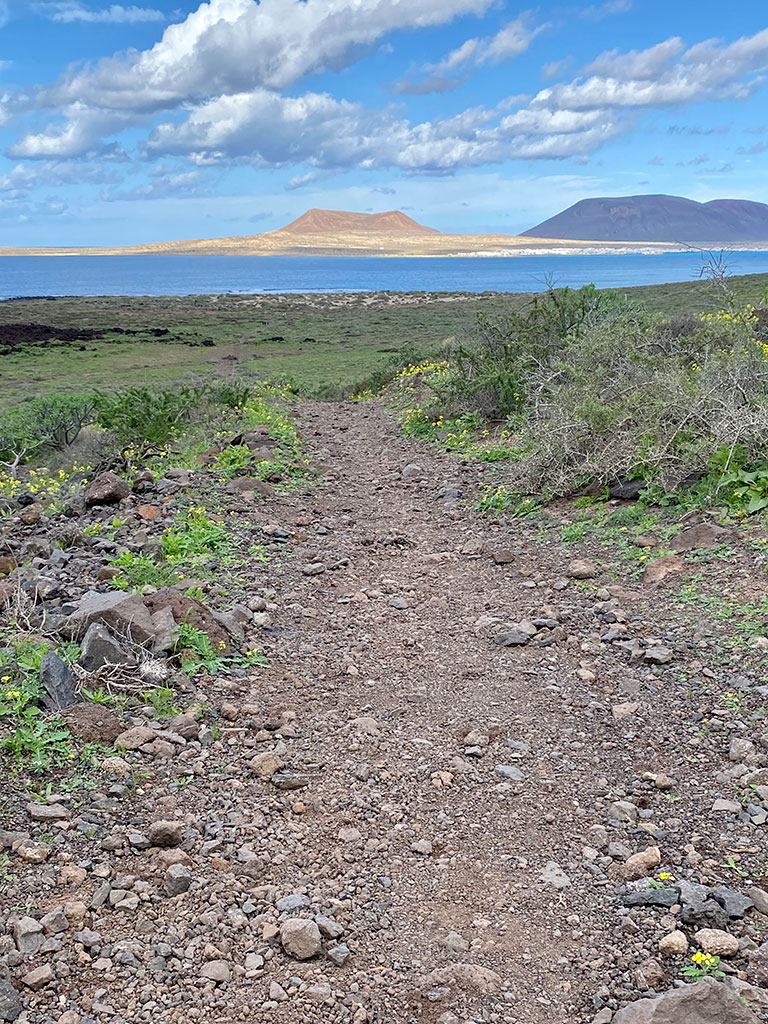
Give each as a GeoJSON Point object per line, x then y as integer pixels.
{"type": "Point", "coordinates": [315, 222]}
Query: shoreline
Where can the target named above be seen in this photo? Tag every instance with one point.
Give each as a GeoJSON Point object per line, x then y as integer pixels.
{"type": "Point", "coordinates": [534, 252]}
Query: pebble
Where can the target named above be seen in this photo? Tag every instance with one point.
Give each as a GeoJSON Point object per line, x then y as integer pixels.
{"type": "Point", "coordinates": [216, 970]}
{"type": "Point", "coordinates": [509, 771]}
{"type": "Point", "coordinates": [717, 942]}
{"type": "Point", "coordinates": [300, 938]}
{"type": "Point", "coordinates": [554, 875]}
{"type": "Point", "coordinates": [39, 977]}
{"type": "Point", "coordinates": [674, 944]}
{"type": "Point", "coordinates": [178, 880]}
{"type": "Point", "coordinates": [582, 569]}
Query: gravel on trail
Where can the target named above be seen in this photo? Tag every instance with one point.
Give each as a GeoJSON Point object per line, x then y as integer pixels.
{"type": "Point", "coordinates": [462, 791]}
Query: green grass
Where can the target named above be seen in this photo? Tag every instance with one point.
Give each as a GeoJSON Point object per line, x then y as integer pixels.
{"type": "Point", "coordinates": [330, 343]}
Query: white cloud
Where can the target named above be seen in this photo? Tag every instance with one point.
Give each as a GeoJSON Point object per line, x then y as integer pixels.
{"type": "Point", "coordinates": [553, 68]}
{"type": "Point", "coordinates": [596, 12]}
{"type": "Point", "coordinates": [73, 10]}
{"type": "Point", "coordinates": [81, 134]}
{"type": "Point", "coordinates": [163, 185]}
{"type": "Point", "coordinates": [5, 13]}
{"type": "Point", "coordinates": [225, 48]}
{"type": "Point", "coordinates": [216, 82]}
{"type": "Point", "coordinates": [666, 75]}
{"type": "Point", "coordinates": [53, 173]}
{"type": "Point", "coordinates": [637, 63]}
{"type": "Point", "coordinates": [270, 130]}
{"type": "Point", "coordinates": [229, 46]}
{"type": "Point", "coordinates": [510, 41]}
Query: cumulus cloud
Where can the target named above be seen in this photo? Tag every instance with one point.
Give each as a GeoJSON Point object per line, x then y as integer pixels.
{"type": "Point", "coordinates": [666, 75]}
{"type": "Point", "coordinates": [229, 46]}
{"type": "Point", "coordinates": [269, 130]}
{"type": "Point", "coordinates": [73, 10]}
{"type": "Point", "coordinates": [218, 88]}
{"type": "Point", "coordinates": [80, 135]}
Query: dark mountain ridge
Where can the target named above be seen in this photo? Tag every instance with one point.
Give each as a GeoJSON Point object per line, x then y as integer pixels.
{"type": "Point", "coordinates": [658, 218]}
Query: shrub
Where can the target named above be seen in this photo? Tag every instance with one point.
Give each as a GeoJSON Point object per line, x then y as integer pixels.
{"type": "Point", "coordinates": [50, 423]}
{"type": "Point", "coordinates": [148, 415]}
{"type": "Point", "coordinates": [616, 407]}
{"type": "Point", "coordinates": [595, 390]}
{"type": "Point", "coordinates": [490, 371]}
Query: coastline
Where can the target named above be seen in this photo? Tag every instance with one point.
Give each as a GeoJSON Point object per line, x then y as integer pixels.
{"type": "Point", "coordinates": [386, 246]}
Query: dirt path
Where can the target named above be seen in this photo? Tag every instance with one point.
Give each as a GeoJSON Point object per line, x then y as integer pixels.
{"type": "Point", "coordinates": [401, 820]}
{"type": "Point", "coordinates": [438, 839]}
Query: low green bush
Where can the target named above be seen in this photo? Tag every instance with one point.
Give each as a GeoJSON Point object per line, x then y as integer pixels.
{"type": "Point", "coordinates": [148, 415]}
{"type": "Point", "coordinates": [52, 423]}
{"type": "Point", "coordinates": [594, 390]}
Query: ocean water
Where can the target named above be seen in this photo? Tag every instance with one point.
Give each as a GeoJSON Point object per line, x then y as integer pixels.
{"type": "Point", "coordinates": [205, 275]}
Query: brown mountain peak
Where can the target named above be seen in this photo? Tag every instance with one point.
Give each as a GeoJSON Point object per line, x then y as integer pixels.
{"type": "Point", "coordinates": [326, 222]}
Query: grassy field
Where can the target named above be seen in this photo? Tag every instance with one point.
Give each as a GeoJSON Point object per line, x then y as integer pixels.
{"type": "Point", "coordinates": [325, 343]}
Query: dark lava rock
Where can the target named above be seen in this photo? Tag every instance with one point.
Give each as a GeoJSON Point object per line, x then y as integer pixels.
{"type": "Point", "coordinates": [512, 638]}
{"type": "Point", "coordinates": [652, 898]}
{"type": "Point", "coordinates": [58, 683]}
{"type": "Point", "coordinates": [10, 1003]}
{"type": "Point", "coordinates": [100, 648]}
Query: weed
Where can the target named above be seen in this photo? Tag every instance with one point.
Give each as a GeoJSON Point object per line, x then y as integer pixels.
{"type": "Point", "coordinates": [161, 698]}
{"type": "Point", "coordinates": [99, 696]}
{"type": "Point", "coordinates": [37, 742]}
{"type": "Point", "coordinates": [574, 533]}
{"type": "Point", "coordinates": [137, 571]}
{"type": "Point", "coordinates": [194, 536]}
{"type": "Point", "coordinates": [704, 965]}
{"type": "Point", "coordinates": [197, 653]}
{"type": "Point", "coordinates": [732, 701]}
{"type": "Point", "coordinates": [502, 499]}
{"type": "Point", "coordinates": [731, 864]}
{"type": "Point", "coordinates": [5, 873]}
{"type": "Point", "coordinates": [233, 459]}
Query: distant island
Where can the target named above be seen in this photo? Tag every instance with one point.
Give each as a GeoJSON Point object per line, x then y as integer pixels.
{"type": "Point", "coordinates": [321, 222]}
{"type": "Point", "coordinates": [631, 224]}
{"type": "Point", "coordinates": [659, 219]}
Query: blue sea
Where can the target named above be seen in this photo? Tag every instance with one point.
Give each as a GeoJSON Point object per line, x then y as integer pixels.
{"type": "Point", "coordinates": [207, 275]}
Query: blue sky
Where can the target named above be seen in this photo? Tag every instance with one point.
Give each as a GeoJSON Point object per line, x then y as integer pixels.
{"type": "Point", "coordinates": [156, 120]}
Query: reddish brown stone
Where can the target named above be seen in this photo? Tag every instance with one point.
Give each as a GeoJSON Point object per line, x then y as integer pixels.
{"type": "Point", "coordinates": [149, 512]}
{"type": "Point", "coordinates": [187, 609]}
